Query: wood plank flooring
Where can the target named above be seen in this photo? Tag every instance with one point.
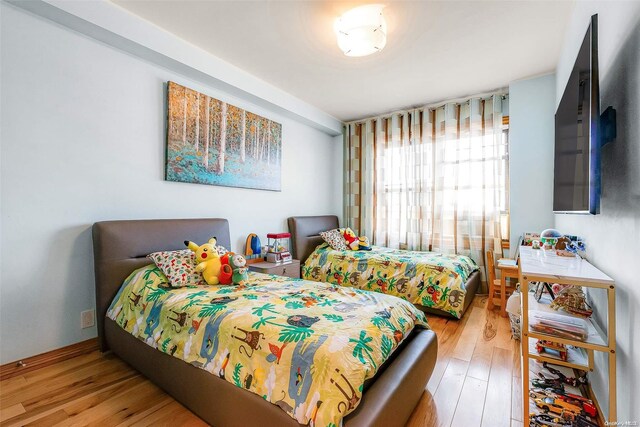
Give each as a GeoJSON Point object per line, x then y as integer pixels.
{"type": "Point", "coordinates": [476, 382]}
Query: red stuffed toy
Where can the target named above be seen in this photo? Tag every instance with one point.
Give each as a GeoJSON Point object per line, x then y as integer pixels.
{"type": "Point", "coordinates": [351, 238]}
{"type": "Point", "coordinates": [226, 272]}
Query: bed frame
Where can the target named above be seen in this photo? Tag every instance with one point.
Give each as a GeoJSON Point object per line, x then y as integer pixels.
{"type": "Point", "coordinates": [305, 234]}
{"type": "Point", "coordinates": [121, 247]}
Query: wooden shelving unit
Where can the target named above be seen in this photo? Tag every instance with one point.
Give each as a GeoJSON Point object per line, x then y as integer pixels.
{"type": "Point", "coordinates": [546, 266]}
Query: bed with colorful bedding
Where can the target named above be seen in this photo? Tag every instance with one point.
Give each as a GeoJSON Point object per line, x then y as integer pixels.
{"type": "Point", "coordinates": [269, 335]}
{"type": "Point", "coordinates": [434, 282]}
{"type": "Point", "coordinates": [429, 279]}
{"type": "Point", "coordinates": [273, 351]}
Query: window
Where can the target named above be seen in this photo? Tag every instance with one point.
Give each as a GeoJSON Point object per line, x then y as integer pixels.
{"type": "Point", "coordinates": [432, 178]}
{"type": "Point", "coordinates": [466, 176]}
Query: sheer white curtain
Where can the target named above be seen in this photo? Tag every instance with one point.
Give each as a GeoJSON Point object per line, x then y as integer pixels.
{"type": "Point", "coordinates": [430, 179]}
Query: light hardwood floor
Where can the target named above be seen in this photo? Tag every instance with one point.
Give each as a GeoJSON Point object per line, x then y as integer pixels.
{"type": "Point", "coordinates": [475, 383]}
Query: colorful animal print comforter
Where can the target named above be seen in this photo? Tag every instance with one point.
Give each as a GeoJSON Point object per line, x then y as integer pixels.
{"type": "Point", "coordinates": [307, 347]}
{"type": "Point", "coordinates": [427, 278]}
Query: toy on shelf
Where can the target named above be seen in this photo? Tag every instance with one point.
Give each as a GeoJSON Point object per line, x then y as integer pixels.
{"type": "Point", "coordinates": [572, 300]}
{"type": "Point", "coordinates": [550, 237]}
{"type": "Point", "coordinates": [555, 406]}
{"type": "Point", "coordinates": [253, 249]}
{"type": "Point", "coordinates": [546, 420]}
{"type": "Point", "coordinates": [549, 384]}
{"type": "Point", "coordinates": [562, 243]}
{"type": "Point", "coordinates": [529, 238]}
{"type": "Point", "coordinates": [582, 421]}
{"type": "Point", "coordinates": [278, 248]}
{"type": "Point", "coordinates": [570, 246]}
{"type": "Point", "coordinates": [576, 246]}
{"type": "Point", "coordinates": [572, 381]}
{"type": "Point", "coordinates": [557, 287]}
{"type": "Point", "coordinates": [553, 348]}
{"type": "Point", "coordinates": [581, 402]}
{"type": "Point", "coordinates": [568, 406]}
{"type": "Point", "coordinates": [541, 393]}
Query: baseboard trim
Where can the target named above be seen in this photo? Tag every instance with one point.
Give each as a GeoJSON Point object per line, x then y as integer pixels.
{"type": "Point", "coordinates": [32, 363]}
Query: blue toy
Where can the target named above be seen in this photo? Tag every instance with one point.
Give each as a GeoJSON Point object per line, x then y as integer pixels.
{"type": "Point", "coordinates": [253, 247]}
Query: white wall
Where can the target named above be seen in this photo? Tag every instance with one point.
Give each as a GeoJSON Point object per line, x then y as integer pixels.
{"type": "Point", "coordinates": [83, 134]}
{"type": "Point", "coordinates": [531, 136]}
{"type": "Point", "coordinates": [115, 26]}
{"type": "Point", "coordinates": [613, 236]}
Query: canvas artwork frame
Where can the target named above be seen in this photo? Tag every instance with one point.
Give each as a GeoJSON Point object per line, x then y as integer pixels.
{"type": "Point", "coordinates": [213, 142]}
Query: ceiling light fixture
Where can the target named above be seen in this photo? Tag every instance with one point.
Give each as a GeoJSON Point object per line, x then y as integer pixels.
{"type": "Point", "coordinates": [362, 31]}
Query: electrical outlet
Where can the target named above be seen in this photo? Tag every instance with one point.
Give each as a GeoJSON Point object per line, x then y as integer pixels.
{"type": "Point", "coordinates": [87, 319]}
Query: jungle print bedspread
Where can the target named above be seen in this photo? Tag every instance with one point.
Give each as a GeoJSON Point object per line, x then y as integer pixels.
{"type": "Point", "coordinates": [307, 347]}
{"type": "Point", "coordinates": [430, 279]}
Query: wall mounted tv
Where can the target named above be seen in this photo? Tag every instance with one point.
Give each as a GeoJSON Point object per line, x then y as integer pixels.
{"type": "Point", "coordinates": [576, 183]}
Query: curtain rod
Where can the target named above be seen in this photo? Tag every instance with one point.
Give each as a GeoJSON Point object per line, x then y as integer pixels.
{"type": "Point", "coordinates": [503, 92]}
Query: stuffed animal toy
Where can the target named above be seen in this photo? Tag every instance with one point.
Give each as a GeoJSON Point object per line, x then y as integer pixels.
{"type": "Point", "coordinates": [351, 238]}
{"type": "Point", "coordinates": [363, 243]}
{"type": "Point", "coordinates": [226, 272]}
{"type": "Point", "coordinates": [207, 260]}
{"type": "Point", "coordinates": [240, 274]}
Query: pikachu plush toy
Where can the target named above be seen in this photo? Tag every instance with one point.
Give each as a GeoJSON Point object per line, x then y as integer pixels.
{"type": "Point", "coordinates": [207, 260]}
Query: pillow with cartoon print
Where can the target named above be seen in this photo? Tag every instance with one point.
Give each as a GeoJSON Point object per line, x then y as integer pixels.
{"type": "Point", "coordinates": [335, 239]}
{"type": "Point", "coordinates": [179, 267]}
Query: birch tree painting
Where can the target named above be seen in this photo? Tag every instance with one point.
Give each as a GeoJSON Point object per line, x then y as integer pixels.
{"type": "Point", "coordinates": [212, 142]}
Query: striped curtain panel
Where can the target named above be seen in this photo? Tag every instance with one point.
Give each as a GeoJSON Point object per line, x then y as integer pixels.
{"type": "Point", "coordinates": [430, 179]}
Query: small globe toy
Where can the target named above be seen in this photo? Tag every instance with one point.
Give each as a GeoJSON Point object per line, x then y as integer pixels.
{"type": "Point", "coordinates": [550, 237]}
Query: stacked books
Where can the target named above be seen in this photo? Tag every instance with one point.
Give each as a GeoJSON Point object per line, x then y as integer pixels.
{"type": "Point", "coordinates": [559, 325]}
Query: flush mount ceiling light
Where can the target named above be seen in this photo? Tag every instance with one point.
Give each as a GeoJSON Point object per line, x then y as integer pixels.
{"type": "Point", "coordinates": [362, 31]}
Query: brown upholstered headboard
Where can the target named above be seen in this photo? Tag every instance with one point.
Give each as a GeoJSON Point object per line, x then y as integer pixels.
{"type": "Point", "coordinates": [305, 233]}
{"type": "Point", "coordinates": [119, 247]}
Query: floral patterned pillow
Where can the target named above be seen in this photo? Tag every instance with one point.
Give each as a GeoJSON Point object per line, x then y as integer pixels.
{"type": "Point", "coordinates": [179, 267]}
{"type": "Point", "coordinates": [335, 239]}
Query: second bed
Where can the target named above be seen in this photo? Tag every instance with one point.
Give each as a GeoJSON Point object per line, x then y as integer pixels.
{"type": "Point", "coordinates": [435, 283]}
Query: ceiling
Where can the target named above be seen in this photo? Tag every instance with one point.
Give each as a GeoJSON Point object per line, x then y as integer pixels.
{"type": "Point", "coordinates": [436, 50]}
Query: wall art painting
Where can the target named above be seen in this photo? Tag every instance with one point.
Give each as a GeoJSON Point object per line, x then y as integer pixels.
{"type": "Point", "coordinates": [212, 142]}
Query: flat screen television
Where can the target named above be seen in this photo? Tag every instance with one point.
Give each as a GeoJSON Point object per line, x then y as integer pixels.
{"type": "Point", "coordinates": [576, 178]}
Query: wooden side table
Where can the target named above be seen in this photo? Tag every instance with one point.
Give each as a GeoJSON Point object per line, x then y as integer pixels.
{"type": "Point", "coordinates": [291, 269]}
